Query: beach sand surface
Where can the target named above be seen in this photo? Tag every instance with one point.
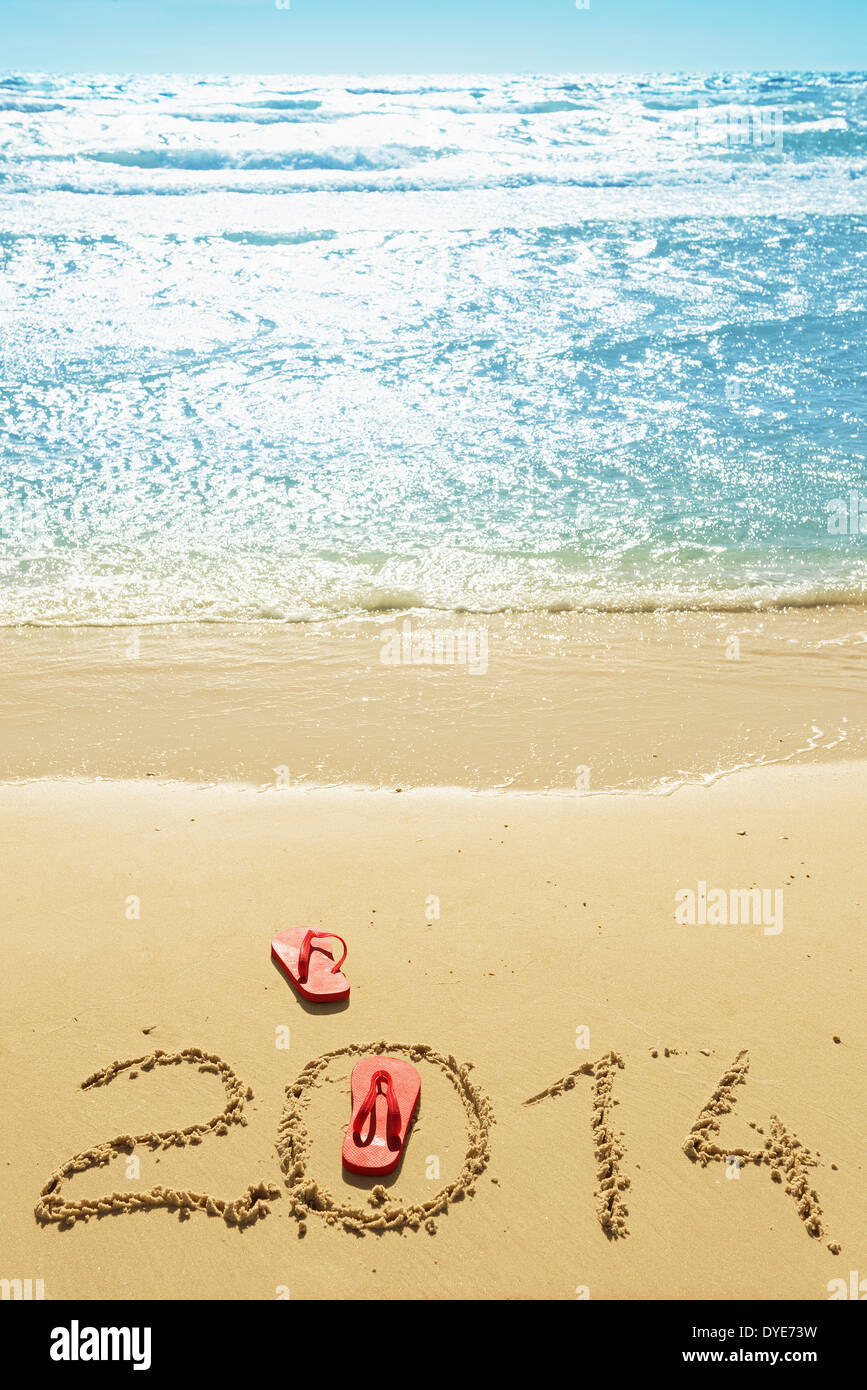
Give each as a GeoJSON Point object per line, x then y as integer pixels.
{"type": "Point", "coordinates": [539, 701]}
{"type": "Point", "coordinates": [525, 937]}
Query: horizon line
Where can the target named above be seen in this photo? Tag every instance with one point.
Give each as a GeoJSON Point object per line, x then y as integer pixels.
{"type": "Point", "coordinates": [434, 72]}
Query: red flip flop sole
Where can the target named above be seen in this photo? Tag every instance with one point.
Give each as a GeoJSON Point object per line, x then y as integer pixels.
{"type": "Point", "coordinates": [322, 986]}
{"type": "Point", "coordinates": [376, 1152]}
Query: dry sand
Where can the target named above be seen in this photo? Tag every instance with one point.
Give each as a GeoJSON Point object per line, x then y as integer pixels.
{"type": "Point", "coordinates": [489, 929]}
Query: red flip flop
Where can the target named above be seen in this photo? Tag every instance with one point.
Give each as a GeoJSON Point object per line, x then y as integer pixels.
{"type": "Point", "coordinates": [311, 968]}
{"type": "Point", "coordinates": [385, 1096]}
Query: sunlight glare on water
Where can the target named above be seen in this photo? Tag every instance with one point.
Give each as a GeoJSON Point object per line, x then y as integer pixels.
{"type": "Point", "coordinates": [280, 349]}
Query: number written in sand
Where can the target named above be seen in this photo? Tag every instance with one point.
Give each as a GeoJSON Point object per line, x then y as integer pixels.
{"type": "Point", "coordinates": [783, 1155]}
{"type": "Point", "coordinates": [305, 1195]}
{"type": "Point", "coordinates": [611, 1181]}
{"type": "Point", "coordinates": [253, 1204]}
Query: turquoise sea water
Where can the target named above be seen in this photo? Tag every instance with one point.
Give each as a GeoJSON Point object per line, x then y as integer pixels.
{"type": "Point", "coordinates": [285, 348]}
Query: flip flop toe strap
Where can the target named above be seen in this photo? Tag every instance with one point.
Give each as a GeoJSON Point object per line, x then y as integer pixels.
{"type": "Point", "coordinates": [304, 953]}
{"type": "Point", "coordinates": [368, 1108]}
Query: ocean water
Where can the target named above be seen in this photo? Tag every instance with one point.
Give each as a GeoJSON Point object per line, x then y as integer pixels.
{"type": "Point", "coordinates": [282, 349]}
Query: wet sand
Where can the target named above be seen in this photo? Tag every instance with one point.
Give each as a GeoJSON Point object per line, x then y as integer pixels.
{"type": "Point", "coordinates": [586, 701]}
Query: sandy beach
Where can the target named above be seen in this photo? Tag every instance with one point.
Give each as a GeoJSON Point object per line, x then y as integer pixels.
{"type": "Point", "coordinates": [433, 512]}
{"type": "Point", "coordinates": [509, 943]}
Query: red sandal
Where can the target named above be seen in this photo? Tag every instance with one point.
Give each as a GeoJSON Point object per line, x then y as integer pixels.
{"type": "Point", "coordinates": [385, 1096]}
{"type": "Point", "coordinates": [311, 968]}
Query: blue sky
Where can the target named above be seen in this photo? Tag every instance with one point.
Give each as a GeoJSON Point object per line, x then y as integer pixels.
{"type": "Point", "coordinates": [387, 36]}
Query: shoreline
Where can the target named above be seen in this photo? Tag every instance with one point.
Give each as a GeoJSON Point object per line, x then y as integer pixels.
{"type": "Point", "coordinates": [568, 795]}
{"type": "Point", "coordinates": [572, 701]}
